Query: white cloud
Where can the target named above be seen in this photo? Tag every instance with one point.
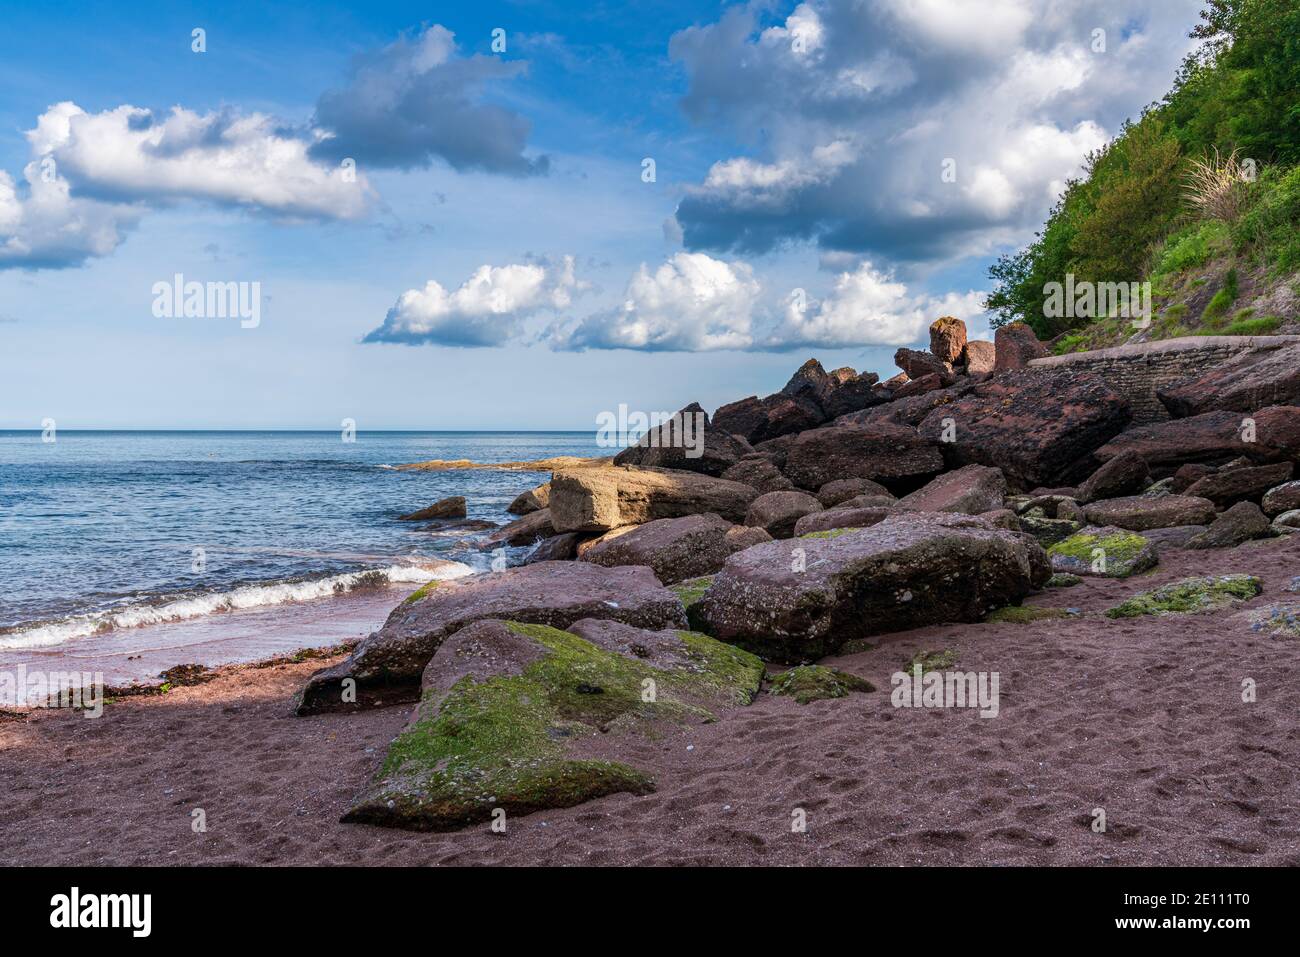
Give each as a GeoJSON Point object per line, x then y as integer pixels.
{"type": "Point", "coordinates": [487, 309]}
{"type": "Point", "coordinates": [43, 226]}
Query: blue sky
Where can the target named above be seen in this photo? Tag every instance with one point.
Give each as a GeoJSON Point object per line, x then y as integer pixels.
{"type": "Point", "coordinates": [499, 259]}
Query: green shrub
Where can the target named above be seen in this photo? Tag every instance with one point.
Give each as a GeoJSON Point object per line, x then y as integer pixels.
{"type": "Point", "coordinates": [1271, 224]}
{"type": "Point", "coordinates": [1192, 247]}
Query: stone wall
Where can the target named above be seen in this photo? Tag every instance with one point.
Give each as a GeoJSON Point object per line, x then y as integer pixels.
{"type": "Point", "coordinates": [1136, 371]}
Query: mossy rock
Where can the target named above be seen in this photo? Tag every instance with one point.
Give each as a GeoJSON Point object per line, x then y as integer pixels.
{"type": "Point", "coordinates": [424, 591]}
{"type": "Point", "coordinates": [1189, 595]}
{"type": "Point", "coordinates": [830, 532]}
{"type": "Point", "coordinates": [1277, 621]}
{"type": "Point", "coordinates": [808, 683]}
{"type": "Point", "coordinates": [506, 706]}
{"type": "Point", "coordinates": [1048, 531]}
{"type": "Point", "coordinates": [1103, 552]}
{"type": "Point", "coordinates": [931, 661]}
{"type": "Point", "coordinates": [1064, 580]}
{"type": "Point", "coordinates": [1024, 614]}
{"type": "Point", "coordinates": [692, 589]}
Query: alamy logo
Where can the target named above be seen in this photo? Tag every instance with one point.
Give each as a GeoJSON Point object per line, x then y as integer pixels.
{"type": "Point", "coordinates": [655, 430]}
{"type": "Point", "coordinates": [946, 689]}
{"type": "Point", "coordinates": [179, 299]}
{"type": "Point", "coordinates": [1098, 300]}
{"type": "Point", "coordinates": [24, 688]}
{"type": "Point", "coordinates": [103, 910]}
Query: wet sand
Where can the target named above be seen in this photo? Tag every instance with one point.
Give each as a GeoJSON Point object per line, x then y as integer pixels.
{"type": "Point", "coordinates": [1143, 718]}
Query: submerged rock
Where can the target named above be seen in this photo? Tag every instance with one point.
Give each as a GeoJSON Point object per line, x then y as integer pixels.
{"type": "Point", "coordinates": [507, 708]}
{"type": "Point", "coordinates": [387, 664]}
{"type": "Point", "coordinates": [803, 599]}
{"type": "Point", "coordinates": [453, 507]}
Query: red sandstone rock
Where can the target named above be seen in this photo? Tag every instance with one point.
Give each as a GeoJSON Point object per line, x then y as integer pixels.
{"type": "Point", "coordinates": [1015, 344]}
{"type": "Point", "coordinates": [948, 338]}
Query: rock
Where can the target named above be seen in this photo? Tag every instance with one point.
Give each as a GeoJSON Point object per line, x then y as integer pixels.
{"type": "Point", "coordinates": [1176, 536]}
{"type": "Point", "coordinates": [1289, 519]}
{"type": "Point", "coordinates": [809, 683]}
{"type": "Point", "coordinates": [852, 395]}
{"type": "Point", "coordinates": [598, 499]}
{"type": "Point", "coordinates": [1213, 436]}
{"type": "Point", "coordinates": [1235, 485]}
{"type": "Point", "coordinates": [387, 664]}
{"type": "Point", "coordinates": [777, 512]}
{"type": "Point", "coordinates": [1242, 384]}
{"type": "Point", "coordinates": [533, 500]}
{"type": "Point", "coordinates": [971, 490]}
{"type": "Point", "coordinates": [1187, 475]}
{"type": "Point", "coordinates": [1238, 524]}
{"type": "Point", "coordinates": [815, 523]}
{"type": "Point", "coordinates": [1050, 506]}
{"type": "Point", "coordinates": [948, 339]}
{"type": "Point", "coordinates": [1002, 518]}
{"type": "Point", "coordinates": [1048, 531]}
{"type": "Point", "coordinates": [688, 442]}
{"type": "Point", "coordinates": [869, 501]}
{"type": "Point", "coordinates": [803, 599]}
{"type": "Point", "coordinates": [908, 410]}
{"type": "Point", "coordinates": [1276, 621]}
{"type": "Point", "coordinates": [1277, 434]}
{"type": "Point", "coordinates": [590, 541]}
{"type": "Point", "coordinates": [676, 548]}
{"type": "Point", "coordinates": [1014, 346]}
{"type": "Point", "coordinates": [557, 548]}
{"type": "Point", "coordinates": [1125, 474]}
{"type": "Point", "coordinates": [758, 472]}
{"type": "Point", "coordinates": [453, 507]}
{"type": "Point", "coordinates": [1281, 499]}
{"type": "Point", "coordinates": [757, 420]}
{"type": "Point", "coordinates": [896, 382]}
{"type": "Point", "coordinates": [1189, 595]}
{"type": "Point", "coordinates": [1103, 552]}
{"type": "Point", "coordinates": [926, 383]}
{"type": "Point", "coordinates": [1039, 427]}
{"type": "Point", "coordinates": [531, 528]}
{"type": "Point", "coordinates": [883, 452]}
{"type": "Point", "coordinates": [810, 381]}
{"type": "Point", "coordinates": [841, 490]}
{"type": "Point", "coordinates": [505, 709]}
{"type": "Point", "coordinates": [1138, 514]}
{"type": "Point", "coordinates": [917, 364]}
{"type": "Point", "coordinates": [979, 357]}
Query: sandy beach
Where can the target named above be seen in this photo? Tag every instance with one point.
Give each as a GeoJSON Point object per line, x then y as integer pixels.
{"type": "Point", "coordinates": [1143, 718]}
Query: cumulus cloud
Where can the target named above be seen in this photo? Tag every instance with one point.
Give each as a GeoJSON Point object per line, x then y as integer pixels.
{"type": "Point", "coordinates": [854, 108]}
{"type": "Point", "coordinates": [415, 101]}
{"type": "Point", "coordinates": [488, 309]}
{"type": "Point", "coordinates": [695, 303]}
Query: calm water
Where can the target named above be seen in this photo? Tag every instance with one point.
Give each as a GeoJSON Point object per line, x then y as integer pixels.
{"type": "Point", "coordinates": [98, 530]}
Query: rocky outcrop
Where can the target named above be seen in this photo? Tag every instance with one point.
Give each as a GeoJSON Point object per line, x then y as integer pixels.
{"type": "Point", "coordinates": [1240, 484]}
{"type": "Point", "coordinates": [884, 452]}
{"type": "Point", "coordinates": [453, 507]}
{"type": "Point", "coordinates": [948, 339]}
{"type": "Point", "coordinates": [598, 499]}
{"type": "Point", "coordinates": [1244, 383]}
{"type": "Point", "coordinates": [1015, 346]}
{"type": "Point", "coordinates": [386, 666]}
{"type": "Point", "coordinates": [777, 512]}
{"type": "Point", "coordinates": [1125, 474]}
{"type": "Point", "coordinates": [1139, 513]}
{"type": "Point", "coordinates": [758, 472]}
{"type": "Point", "coordinates": [1040, 428]}
{"type": "Point", "coordinates": [971, 490]}
{"type": "Point", "coordinates": [676, 548]}
{"type": "Point", "coordinates": [802, 599]}
{"type": "Point", "coordinates": [507, 711]}
{"type": "Point", "coordinates": [689, 442]}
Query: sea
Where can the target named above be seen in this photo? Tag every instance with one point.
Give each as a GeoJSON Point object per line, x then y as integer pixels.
{"type": "Point", "coordinates": [130, 551]}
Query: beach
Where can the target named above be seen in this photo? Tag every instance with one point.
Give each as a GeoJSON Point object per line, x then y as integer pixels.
{"type": "Point", "coordinates": [1142, 718]}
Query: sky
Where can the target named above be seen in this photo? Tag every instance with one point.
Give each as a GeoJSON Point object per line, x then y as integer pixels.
{"type": "Point", "coordinates": [520, 215]}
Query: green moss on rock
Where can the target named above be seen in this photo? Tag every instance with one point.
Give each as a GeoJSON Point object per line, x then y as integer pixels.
{"type": "Point", "coordinates": [830, 533]}
{"type": "Point", "coordinates": [1064, 580]}
{"type": "Point", "coordinates": [1125, 552]}
{"type": "Point", "coordinates": [1023, 614]}
{"type": "Point", "coordinates": [808, 683]}
{"type": "Point", "coordinates": [931, 661]}
{"type": "Point", "coordinates": [1189, 595]}
{"type": "Point", "coordinates": [692, 589]}
{"type": "Point", "coordinates": [503, 742]}
{"type": "Point", "coordinates": [424, 591]}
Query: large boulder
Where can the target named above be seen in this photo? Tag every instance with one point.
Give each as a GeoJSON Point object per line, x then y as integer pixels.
{"type": "Point", "coordinates": [1125, 474]}
{"type": "Point", "coordinates": [932, 382]}
{"type": "Point", "coordinates": [1212, 437]}
{"type": "Point", "coordinates": [689, 442]}
{"type": "Point", "coordinates": [1243, 384]}
{"type": "Point", "coordinates": [386, 666]}
{"type": "Point", "coordinates": [857, 516]}
{"type": "Point", "coordinates": [1039, 427]}
{"type": "Point", "coordinates": [841, 490]}
{"type": "Point", "coordinates": [917, 364]}
{"type": "Point", "coordinates": [507, 711]}
{"type": "Point", "coordinates": [1234, 485]}
{"type": "Point", "coordinates": [948, 338]}
{"type": "Point", "coordinates": [453, 507]}
{"type": "Point", "coordinates": [979, 357]}
{"type": "Point", "coordinates": [758, 472]}
{"type": "Point", "coordinates": [1238, 524]}
{"type": "Point", "coordinates": [598, 499]}
{"type": "Point", "coordinates": [1103, 552]}
{"type": "Point", "coordinates": [676, 548]}
{"type": "Point", "coordinates": [849, 395]}
{"type": "Point", "coordinates": [1284, 498]}
{"type": "Point", "coordinates": [533, 500]}
{"type": "Point", "coordinates": [777, 512]}
{"type": "Point", "coordinates": [972, 489]}
{"type": "Point", "coordinates": [1015, 346]}
{"type": "Point", "coordinates": [885, 452]}
{"type": "Point", "coordinates": [1139, 513]}
{"type": "Point", "coordinates": [803, 599]}
{"type": "Point", "coordinates": [533, 527]}
{"type": "Point", "coordinates": [757, 420]}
